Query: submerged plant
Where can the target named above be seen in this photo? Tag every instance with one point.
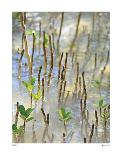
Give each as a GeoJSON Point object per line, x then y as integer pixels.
{"type": "Point", "coordinates": [17, 130]}
{"type": "Point", "coordinates": [25, 114]}
{"type": "Point", "coordinates": [105, 116]}
{"type": "Point", "coordinates": [100, 105]}
{"type": "Point", "coordinates": [37, 96]}
{"type": "Point", "coordinates": [64, 116]}
{"type": "Point", "coordinates": [97, 84]}
{"type": "Point", "coordinates": [29, 84]}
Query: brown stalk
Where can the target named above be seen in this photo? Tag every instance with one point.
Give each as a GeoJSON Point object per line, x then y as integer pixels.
{"type": "Point", "coordinates": [65, 65]}
{"type": "Point", "coordinates": [58, 40]}
{"type": "Point", "coordinates": [22, 19]}
{"type": "Point", "coordinates": [20, 64]}
{"type": "Point", "coordinates": [91, 134]}
{"type": "Point", "coordinates": [95, 60]}
{"type": "Point", "coordinates": [17, 114]}
{"type": "Point", "coordinates": [96, 117]}
{"type": "Point", "coordinates": [51, 51]}
{"type": "Point", "coordinates": [44, 50]}
{"type": "Point", "coordinates": [59, 70]}
{"type": "Point", "coordinates": [33, 49]}
{"type": "Point", "coordinates": [42, 89]}
{"type": "Point", "coordinates": [76, 32]}
{"type": "Point", "coordinates": [40, 68]}
{"type": "Point", "coordinates": [84, 90]}
{"type": "Point", "coordinates": [84, 140]}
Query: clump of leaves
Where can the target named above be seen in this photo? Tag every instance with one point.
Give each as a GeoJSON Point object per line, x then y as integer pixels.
{"type": "Point", "coordinates": [97, 83]}
{"type": "Point", "coordinates": [105, 115]}
{"type": "Point", "coordinates": [37, 96]}
{"type": "Point", "coordinates": [17, 130]}
{"type": "Point", "coordinates": [29, 84]}
{"type": "Point", "coordinates": [31, 32]}
{"type": "Point", "coordinates": [25, 114]}
{"type": "Point", "coordinates": [100, 105]}
{"type": "Point", "coordinates": [64, 115]}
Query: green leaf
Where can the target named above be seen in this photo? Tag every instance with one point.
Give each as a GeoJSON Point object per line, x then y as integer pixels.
{"type": "Point", "coordinates": [61, 113]}
{"type": "Point", "coordinates": [30, 87]}
{"type": "Point", "coordinates": [29, 119]}
{"type": "Point", "coordinates": [32, 81]}
{"type": "Point", "coordinates": [28, 111]}
{"type": "Point", "coordinates": [67, 114]}
{"type": "Point", "coordinates": [68, 118]}
{"type": "Point", "coordinates": [25, 84]}
{"type": "Point", "coordinates": [100, 102]}
{"type": "Point", "coordinates": [64, 116]}
{"type": "Point", "coordinates": [14, 127]}
{"type": "Point", "coordinates": [23, 117]}
{"type": "Point", "coordinates": [22, 110]}
{"type": "Point", "coordinates": [37, 96]}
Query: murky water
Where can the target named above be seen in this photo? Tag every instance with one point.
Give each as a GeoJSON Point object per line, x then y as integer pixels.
{"type": "Point", "coordinates": [77, 128]}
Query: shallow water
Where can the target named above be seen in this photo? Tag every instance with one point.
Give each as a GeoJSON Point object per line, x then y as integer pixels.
{"type": "Point", "coordinates": [77, 127]}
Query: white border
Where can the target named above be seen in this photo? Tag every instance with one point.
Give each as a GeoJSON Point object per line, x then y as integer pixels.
{"type": "Point", "coordinates": [6, 8]}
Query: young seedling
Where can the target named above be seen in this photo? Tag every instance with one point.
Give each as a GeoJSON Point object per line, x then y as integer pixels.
{"type": "Point", "coordinates": [100, 105]}
{"type": "Point", "coordinates": [17, 131]}
{"type": "Point", "coordinates": [97, 84]}
{"type": "Point", "coordinates": [64, 116]}
{"type": "Point", "coordinates": [37, 96]}
{"type": "Point", "coordinates": [25, 114]}
{"type": "Point", "coordinates": [105, 116]}
{"type": "Point", "coordinates": [29, 86]}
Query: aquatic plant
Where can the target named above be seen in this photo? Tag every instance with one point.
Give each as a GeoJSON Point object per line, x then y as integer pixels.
{"type": "Point", "coordinates": [37, 96]}
{"type": "Point", "coordinates": [25, 114]}
{"type": "Point", "coordinates": [17, 130]}
{"type": "Point", "coordinates": [100, 105]}
{"type": "Point", "coordinates": [105, 116]}
{"type": "Point", "coordinates": [29, 84]}
{"type": "Point", "coordinates": [64, 116]}
{"type": "Point", "coordinates": [91, 133]}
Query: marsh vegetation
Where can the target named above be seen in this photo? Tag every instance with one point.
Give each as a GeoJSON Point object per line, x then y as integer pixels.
{"type": "Point", "coordinates": [60, 77]}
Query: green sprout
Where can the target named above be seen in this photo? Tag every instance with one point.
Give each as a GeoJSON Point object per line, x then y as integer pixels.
{"type": "Point", "coordinates": [29, 85]}
{"type": "Point", "coordinates": [31, 32]}
{"type": "Point", "coordinates": [100, 105]}
{"type": "Point", "coordinates": [37, 96]}
{"type": "Point", "coordinates": [105, 116]}
{"type": "Point", "coordinates": [17, 130]}
{"type": "Point", "coordinates": [64, 116]}
{"type": "Point", "coordinates": [97, 84]}
{"type": "Point", "coordinates": [25, 114]}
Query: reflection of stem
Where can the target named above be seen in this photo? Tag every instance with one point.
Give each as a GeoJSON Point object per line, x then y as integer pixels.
{"type": "Point", "coordinates": [24, 125]}
{"type": "Point", "coordinates": [42, 90]}
{"type": "Point", "coordinates": [91, 134]}
{"type": "Point", "coordinates": [58, 40]}
{"type": "Point", "coordinates": [51, 52]}
{"type": "Point", "coordinates": [17, 113]}
{"type": "Point", "coordinates": [76, 32]}
{"type": "Point", "coordinates": [44, 50]}
{"type": "Point", "coordinates": [40, 68]}
{"type": "Point", "coordinates": [32, 54]}
{"type": "Point", "coordinates": [20, 64]}
{"type": "Point", "coordinates": [22, 19]}
{"type": "Point", "coordinates": [59, 70]}
{"type": "Point", "coordinates": [65, 127]}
